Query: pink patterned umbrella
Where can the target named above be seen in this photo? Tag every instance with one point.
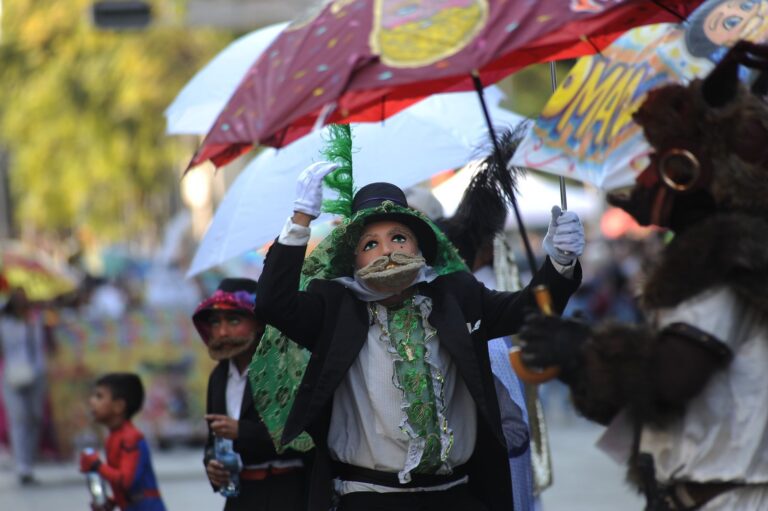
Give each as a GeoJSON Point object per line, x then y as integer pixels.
{"type": "Point", "coordinates": [364, 60]}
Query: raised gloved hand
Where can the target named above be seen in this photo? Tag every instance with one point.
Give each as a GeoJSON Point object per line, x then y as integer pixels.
{"type": "Point", "coordinates": [309, 188]}
{"type": "Point", "coordinates": [553, 341]}
{"type": "Point", "coordinates": [89, 461]}
{"type": "Point", "coordinates": [564, 241]}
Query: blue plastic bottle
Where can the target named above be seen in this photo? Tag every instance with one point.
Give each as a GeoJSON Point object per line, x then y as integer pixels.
{"type": "Point", "coordinates": [96, 485]}
{"type": "Point", "coordinates": [226, 455]}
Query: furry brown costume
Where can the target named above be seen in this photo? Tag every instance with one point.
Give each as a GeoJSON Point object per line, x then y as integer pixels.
{"type": "Point", "coordinates": [725, 248]}
{"type": "Point", "coordinates": [708, 181]}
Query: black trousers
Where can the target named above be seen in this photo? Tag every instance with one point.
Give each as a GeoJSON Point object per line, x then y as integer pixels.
{"type": "Point", "coordinates": [285, 492]}
{"type": "Point", "coordinates": [457, 498]}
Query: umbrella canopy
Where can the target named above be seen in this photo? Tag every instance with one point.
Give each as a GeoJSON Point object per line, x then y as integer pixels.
{"type": "Point", "coordinates": [201, 100]}
{"type": "Point", "coordinates": [368, 59]}
{"type": "Point", "coordinates": [40, 277]}
{"type": "Point", "coordinates": [443, 132]}
{"type": "Point", "coordinates": [586, 130]}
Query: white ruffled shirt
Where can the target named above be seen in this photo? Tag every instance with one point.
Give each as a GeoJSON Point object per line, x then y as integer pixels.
{"type": "Point", "coordinates": [368, 410]}
{"type": "Point", "coordinates": [236, 382]}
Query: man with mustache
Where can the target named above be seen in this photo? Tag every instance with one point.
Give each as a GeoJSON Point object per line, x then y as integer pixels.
{"type": "Point", "coordinates": [398, 395]}
{"type": "Point", "coordinates": [231, 328]}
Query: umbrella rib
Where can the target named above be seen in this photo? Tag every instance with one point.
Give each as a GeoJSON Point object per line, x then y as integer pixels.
{"type": "Point", "coordinates": [283, 134]}
{"type": "Point", "coordinates": [593, 45]}
{"type": "Point", "coordinates": [670, 10]}
{"type": "Point", "coordinates": [383, 108]}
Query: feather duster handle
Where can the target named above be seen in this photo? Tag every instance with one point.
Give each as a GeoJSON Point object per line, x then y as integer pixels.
{"type": "Point", "coordinates": [338, 149]}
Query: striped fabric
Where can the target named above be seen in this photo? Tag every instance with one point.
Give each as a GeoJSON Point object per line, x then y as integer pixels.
{"type": "Point", "coordinates": [522, 476]}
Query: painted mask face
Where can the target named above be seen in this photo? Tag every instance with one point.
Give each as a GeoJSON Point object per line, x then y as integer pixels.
{"type": "Point", "coordinates": [387, 256]}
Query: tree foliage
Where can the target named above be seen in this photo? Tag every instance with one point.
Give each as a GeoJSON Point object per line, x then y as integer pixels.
{"type": "Point", "coordinates": [529, 90]}
{"type": "Point", "coordinates": [81, 115]}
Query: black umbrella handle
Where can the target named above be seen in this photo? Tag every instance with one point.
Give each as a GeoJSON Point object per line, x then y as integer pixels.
{"type": "Point", "coordinates": [497, 152]}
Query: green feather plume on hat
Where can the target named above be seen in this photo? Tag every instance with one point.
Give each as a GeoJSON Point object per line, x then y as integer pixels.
{"type": "Point", "coordinates": [338, 149]}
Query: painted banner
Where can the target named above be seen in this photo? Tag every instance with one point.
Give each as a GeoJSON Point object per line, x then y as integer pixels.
{"type": "Point", "coordinates": [586, 130]}
{"type": "Point", "coordinates": [163, 347]}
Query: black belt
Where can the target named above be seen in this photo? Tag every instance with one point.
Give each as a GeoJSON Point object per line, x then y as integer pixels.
{"type": "Point", "coordinates": [688, 496]}
{"type": "Point", "coordinates": [366, 475]}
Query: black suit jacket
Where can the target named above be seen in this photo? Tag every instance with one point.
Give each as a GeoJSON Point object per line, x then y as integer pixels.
{"type": "Point", "coordinates": [253, 443]}
{"type": "Point", "coordinates": [331, 322]}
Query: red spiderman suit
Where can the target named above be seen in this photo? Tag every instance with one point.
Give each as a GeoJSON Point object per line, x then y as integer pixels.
{"type": "Point", "coordinates": [128, 470]}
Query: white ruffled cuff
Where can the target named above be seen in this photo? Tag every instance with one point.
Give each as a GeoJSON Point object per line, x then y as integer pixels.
{"type": "Point", "coordinates": [564, 270]}
{"type": "Point", "coordinates": [294, 235]}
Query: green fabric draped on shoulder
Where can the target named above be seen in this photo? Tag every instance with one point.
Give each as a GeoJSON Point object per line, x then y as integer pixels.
{"type": "Point", "coordinates": [275, 372]}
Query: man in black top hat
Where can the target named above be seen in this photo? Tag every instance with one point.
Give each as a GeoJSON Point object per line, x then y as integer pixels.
{"type": "Point", "coordinates": [231, 329]}
{"type": "Point", "coordinates": [398, 394]}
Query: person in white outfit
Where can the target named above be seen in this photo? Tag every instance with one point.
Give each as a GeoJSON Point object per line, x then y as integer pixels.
{"type": "Point", "coordinates": [22, 341]}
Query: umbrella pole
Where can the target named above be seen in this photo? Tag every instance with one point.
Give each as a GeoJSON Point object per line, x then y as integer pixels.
{"type": "Point", "coordinates": [497, 151]}
{"type": "Point", "coordinates": [563, 197]}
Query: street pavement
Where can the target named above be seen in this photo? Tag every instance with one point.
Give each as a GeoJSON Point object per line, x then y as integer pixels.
{"type": "Point", "coordinates": [62, 488]}
{"type": "Point", "coordinates": [585, 479]}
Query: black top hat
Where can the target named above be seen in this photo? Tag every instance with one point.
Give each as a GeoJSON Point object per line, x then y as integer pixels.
{"type": "Point", "coordinates": [374, 194]}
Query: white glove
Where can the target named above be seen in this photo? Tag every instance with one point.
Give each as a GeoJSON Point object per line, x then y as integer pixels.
{"type": "Point", "coordinates": [564, 241]}
{"type": "Point", "coordinates": [309, 188]}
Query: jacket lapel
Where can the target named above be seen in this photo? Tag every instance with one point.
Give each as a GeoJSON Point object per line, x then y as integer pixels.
{"type": "Point", "coordinates": [348, 339]}
{"type": "Point", "coordinates": [247, 401]}
{"type": "Point", "coordinates": [219, 387]}
{"type": "Point", "coordinates": [448, 319]}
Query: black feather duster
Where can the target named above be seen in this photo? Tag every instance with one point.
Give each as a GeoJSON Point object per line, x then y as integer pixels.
{"type": "Point", "coordinates": [482, 211]}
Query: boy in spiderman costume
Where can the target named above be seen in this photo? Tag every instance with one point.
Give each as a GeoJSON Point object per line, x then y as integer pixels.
{"type": "Point", "coordinates": [115, 400]}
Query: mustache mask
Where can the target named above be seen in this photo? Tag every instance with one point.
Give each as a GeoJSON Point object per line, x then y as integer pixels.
{"type": "Point", "coordinates": [392, 273]}
{"type": "Point", "coordinates": [229, 347]}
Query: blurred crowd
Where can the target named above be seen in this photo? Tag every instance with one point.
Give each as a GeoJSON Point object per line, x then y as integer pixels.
{"type": "Point", "coordinates": [613, 272]}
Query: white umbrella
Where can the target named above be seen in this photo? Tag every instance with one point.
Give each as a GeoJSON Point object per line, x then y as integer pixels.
{"type": "Point", "coordinates": [535, 198]}
{"type": "Point", "coordinates": [442, 132]}
{"type": "Point", "coordinates": [195, 109]}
